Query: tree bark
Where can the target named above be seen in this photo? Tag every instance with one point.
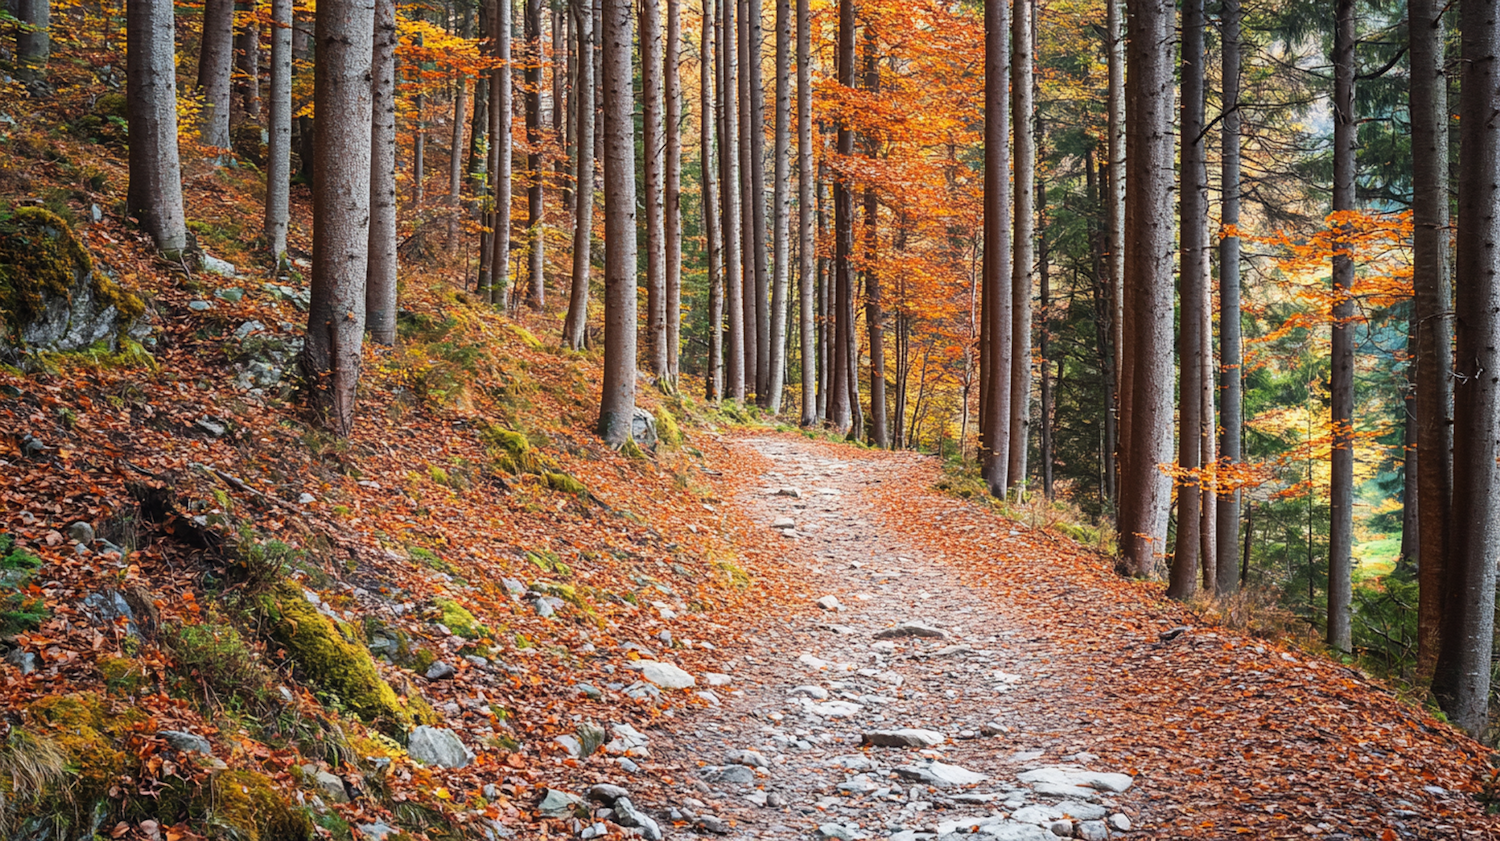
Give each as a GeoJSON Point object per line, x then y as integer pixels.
{"type": "Point", "coordinates": [846, 378]}
{"type": "Point", "coordinates": [247, 57]}
{"type": "Point", "coordinates": [807, 276]}
{"type": "Point", "coordinates": [757, 147]}
{"type": "Point", "coordinates": [617, 404]}
{"type": "Point", "coordinates": [154, 195]}
{"type": "Point", "coordinates": [1193, 286]}
{"type": "Point", "coordinates": [1145, 492]}
{"type": "Point", "coordinates": [1114, 189]}
{"type": "Point", "coordinates": [279, 148]}
{"type": "Point", "coordinates": [215, 69]}
{"type": "Point", "coordinates": [535, 208]}
{"type": "Point", "coordinates": [1230, 354]}
{"type": "Point", "coordinates": [33, 41]}
{"type": "Point", "coordinates": [576, 325]}
{"type": "Point", "coordinates": [455, 150]}
{"type": "Point", "coordinates": [1341, 357]}
{"type": "Point", "coordinates": [1462, 679]}
{"type": "Point", "coordinates": [707, 116]}
{"type": "Point", "coordinates": [729, 170]}
{"type": "Point", "coordinates": [672, 231]}
{"type": "Point", "coordinates": [1044, 332]}
{"type": "Point", "coordinates": [419, 139]}
{"type": "Point", "coordinates": [995, 297]}
{"type": "Point", "coordinates": [380, 279]}
{"type": "Point", "coordinates": [748, 198]}
{"type": "Point", "coordinates": [1433, 323]}
{"type": "Point", "coordinates": [341, 209]}
{"type": "Point", "coordinates": [874, 318]}
{"type": "Point", "coordinates": [655, 176]}
{"type": "Point", "coordinates": [781, 208]}
{"type": "Point", "coordinates": [1024, 130]}
{"type": "Point", "coordinates": [501, 153]}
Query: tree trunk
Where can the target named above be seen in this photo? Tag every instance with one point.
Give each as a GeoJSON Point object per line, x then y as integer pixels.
{"type": "Point", "coordinates": [1341, 357]}
{"type": "Point", "coordinates": [301, 51]}
{"type": "Point", "coordinates": [654, 182]}
{"type": "Point", "coordinates": [846, 378]}
{"type": "Point", "coordinates": [995, 297]}
{"type": "Point", "coordinates": [380, 280]}
{"type": "Point", "coordinates": [673, 195]}
{"type": "Point", "coordinates": [33, 41]}
{"type": "Point", "coordinates": [341, 210]}
{"type": "Point", "coordinates": [757, 146]}
{"type": "Point", "coordinates": [1044, 333]}
{"type": "Point", "coordinates": [535, 209]}
{"type": "Point", "coordinates": [215, 69]}
{"type": "Point", "coordinates": [247, 56]}
{"type": "Point", "coordinates": [825, 312]}
{"type": "Point", "coordinates": [806, 277]}
{"type": "Point", "coordinates": [1231, 365]}
{"type": "Point", "coordinates": [617, 404]}
{"type": "Point", "coordinates": [1193, 286]}
{"type": "Point", "coordinates": [1114, 189]}
{"type": "Point", "coordinates": [749, 196]}
{"type": "Point", "coordinates": [781, 209]}
{"type": "Point", "coordinates": [560, 69]}
{"type": "Point", "coordinates": [501, 154]}
{"type": "Point", "coordinates": [419, 138]}
{"type": "Point", "coordinates": [576, 325]}
{"type": "Point", "coordinates": [1462, 678]}
{"type": "Point", "coordinates": [729, 171]}
{"type": "Point", "coordinates": [874, 318]}
{"type": "Point", "coordinates": [279, 148]}
{"type": "Point", "coordinates": [1024, 130]}
{"type": "Point", "coordinates": [707, 107]}
{"type": "Point", "coordinates": [1433, 323]}
{"type": "Point", "coordinates": [455, 150]}
{"type": "Point", "coordinates": [1145, 493]}
{"type": "Point", "coordinates": [154, 195]}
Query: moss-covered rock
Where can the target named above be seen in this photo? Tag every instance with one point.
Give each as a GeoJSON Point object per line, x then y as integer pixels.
{"type": "Point", "coordinates": [82, 728]}
{"type": "Point", "coordinates": [332, 662]}
{"type": "Point", "coordinates": [247, 805]}
{"type": "Point", "coordinates": [565, 483]}
{"type": "Point", "coordinates": [667, 429]}
{"type": "Point", "coordinates": [459, 620]}
{"type": "Point", "coordinates": [51, 295]}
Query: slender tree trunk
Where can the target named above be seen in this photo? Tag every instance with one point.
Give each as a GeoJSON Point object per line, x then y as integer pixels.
{"type": "Point", "coordinates": [617, 405]}
{"type": "Point", "coordinates": [1433, 323]}
{"type": "Point", "coordinates": [729, 169]}
{"type": "Point", "coordinates": [1341, 358]}
{"type": "Point", "coordinates": [279, 149]}
{"type": "Point", "coordinates": [455, 149]}
{"type": "Point", "coordinates": [673, 195]}
{"type": "Point", "coordinates": [846, 377]}
{"type": "Point", "coordinates": [501, 153]}
{"type": "Point", "coordinates": [655, 175]}
{"type": "Point", "coordinates": [757, 144]}
{"type": "Point", "coordinates": [419, 139]}
{"type": "Point", "coordinates": [34, 40]}
{"type": "Point", "coordinates": [560, 68]}
{"type": "Point", "coordinates": [1024, 130]}
{"type": "Point", "coordinates": [1097, 180]}
{"type": "Point", "coordinates": [1044, 333]}
{"type": "Point", "coordinates": [535, 209]}
{"type": "Point", "coordinates": [1145, 493]}
{"type": "Point", "coordinates": [1114, 189]}
{"type": "Point", "coordinates": [1208, 536]}
{"type": "Point", "coordinates": [215, 69]}
{"type": "Point", "coordinates": [1411, 515]}
{"type": "Point", "coordinates": [806, 277]}
{"type": "Point", "coordinates": [576, 324]}
{"type": "Point", "coordinates": [481, 149]}
{"type": "Point", "coordinates": [996, 303]}
{"type": "Point", "coordinates": [154, 195]}
{"type": "Point", "coordinates": [781, 209]}
{"type": "Point", "coordinates": [341, 209]}
{"type": "Point", "coordinates": [749, 196]}
{"type": "Point", "coordinates": [1230, 354]}
{"type": "Point", "coordinates": [707, 107]}
{"type": "Point", "coordinates": [301, 51]}
{"type": "Point", "coordinates": [380, 279]}
{"type": "Point", "coordinates": [826, 368]}
{"type": "Point", "coordinates": [1193, 291]}
{"type": "Point", "coordinates": [247, 50]}
{"type": "Point", "coordinates": [874, 318]}
{"type": "Point", "coordinates": [1462, 678]}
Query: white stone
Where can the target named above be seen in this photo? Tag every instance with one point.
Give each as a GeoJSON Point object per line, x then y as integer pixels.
{"type": "Point", "coordinates": [811, 691]}
{"type": "Point", "coordinates": [665, 675]}
{"type": "Point", "coordinates": [1012, 831]}
{"type": "Point", "coordinates": [784, 523]}
{"type": "Point", "coordinates": [438, 746]}
{"type": "Point", "coordinates": [1119, 823]}
{"type": "Point", "coordinates": [829, 603]}
{"type": "Point", "coordinates": [907, 737]}
{"type": "Point", "coordinates": [1072, 775]}
{"type": "Point", "coordinates": [940, 774]}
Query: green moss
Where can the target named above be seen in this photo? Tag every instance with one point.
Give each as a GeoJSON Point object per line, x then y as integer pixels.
{"type": "Point", "coordinates": [565, 483]}
{"type": "Point", "coordinates": [330, 661]}
{"type": "Point", "coordinates": [631, 450]}
{"type": "Point", "coordinates": [247, 805]}
{"type": "Point", "coordinates": [666, 427]}
{"type": "Point", "coordinates": [111, 105]}
{"type": "Point", "coordinates": [79, 726]}
{"type": "Point", "coordinates": [430, 558]}
{"type": "Point", "coordinates": [40, 255]}
{"type": "Point", "coordinates": [123, 675]}
{"type": "Point", "coordinates": [215, 666]}
{"type": "Point", "coordinates": [459, 620]}
{"type": "Point", "coordinates": [526, 336]}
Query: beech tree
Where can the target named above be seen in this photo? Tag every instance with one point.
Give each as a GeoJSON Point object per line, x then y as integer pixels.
{"type": "Point", "coordinates": [1024, 256]}
{"type": "Point", "coordinates": [501, 147]}
{"type": "Point", "coordinates": [843, 410]}
{"type": "Point", "coordinates": [247, 64]}
{"type": "Point", "coordinates": [806, 277]}
{"type": "Point", "coordinates": [1341, 357]}
{"type": "Point", "coordinates": [617, 404]}
{"type": "Point", "coordinates": [535, 206]}
{"type": "Point", "coordinates": [341, 209]}
{"type": "Point", "coordinates": [752, 191]}
{"type": "Point", "coordinates": [1230, 360]}
{"type": "Point", "coordinates": [215, 69]}
{"type": "Point", "coordinates": [576, 325]}
{"type": "Point", "coordinates": [995, 308]}
{"type": "Point", "coordinates": [154, 195]}
{"type": "Point", "coordinates": [33, 38]}
{"type": "Point", "coordinates": [380, 278]}
{"type": "Point", "coordinates": [672, 228]}
{"type": "Point", "coordinates": [654, 182]}
{"type": "Point", "coordinates": [729, 178]}
{"type": "Point", "coordinates": [781, 208]}
{"type": "Point", "coordinates": [279, 146]}
{"type": "Point", "coordinates": [707, 118]}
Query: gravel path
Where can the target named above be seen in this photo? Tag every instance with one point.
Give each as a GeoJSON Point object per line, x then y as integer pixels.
{"type": "Point", "coordinates": [901, 654]}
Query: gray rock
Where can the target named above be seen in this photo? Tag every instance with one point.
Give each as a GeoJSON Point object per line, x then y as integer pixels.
{"type": "Point", "coordinates": [628, 766]}
{"type": "Point", "coordinates": [590, 691]}
{"type": "Point", "coordinates": [438, 746]}
{"type": "Point", "coordinates": [794, 493]}
{"type": "Point", "coordinates": [643, 427]}
{"type": "Point", "coordinates": [816, 692]}
{"type": "Point", "coordinates": [1065, 792]}
{"type": "Point", "coordinates": [232, 294]}
{"type": "Point", "coordinates": [214, 265]}
{"type": "Point", "coordinates": [830, 603]}
{"type": "Point", "coordinates": [558, 804]}
{"type": "Point", "coordinates": [840, 832]}
{"type": "Point", "coordinates": [595, 830]}
{"type": "Point", "coordinates": [641, 690]}
{"type": "Point", "coordinates": [1062, 829]}
{"type": "Point", "coordinates": [627, 815]}
{"type": "Point", "coordinates": [570, 744]}
{"type": "Point", "coordinates": [440, 671]}
{"type": "Point", "coordinates": [212, 426]}
{"type": "Point", "coordinates": [1075, 776]}
{"type": "Point", "coordinates": [377, 831]}
{"type": "Point", "coordinates": [712, 824]}
{"type": "Point", "coordinates": [749, 758]}
{"type": "Point", "coordinates": [1042, 813]}
{"type": "Point", "coordinates": [81, 532]}
{"type": "Point", "coordinates": [512, 586]}
{"type": "Point", "coordinates": [1012, 831]}
{"type": "Point", "coordinates": [23, 660]}
{"type": "Point", "coordinates": [628, 740]}
{"type": "Point", "coordinates": [908, 737]}
{"type": "Point", "coordinates": [243, 332]}
{"type": "Point", "coordinates": [940, 774]}
{"type": "Point", "coordinates": [332, 786]}
{"type": "Point", "coordinates": [730, 774]}
{"type": "Point", "coordinates": [912, 629]}
{"type": "Point", "coordinates": [783, 523]}
{"type": "Point", "coordinates": [109, 606]}
{"type": "Point", "coordinates": [186, 742]}
{"type": "Point", "coordinates": [665, 675]}
{"type": "Point", "coordinates": [606, 793]}
{"type": "Point", "coordinates": [1119, 823]}
{"type": "Point", "coordinates": [591, 737]}
{"type": "Point", "coordinates": [200, 306]}
{"type": "Point", "coordinates": [1093, 831]}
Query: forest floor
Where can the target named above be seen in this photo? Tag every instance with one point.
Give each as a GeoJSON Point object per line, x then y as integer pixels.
{"type": "Point", "coordinates": [1041, 658]}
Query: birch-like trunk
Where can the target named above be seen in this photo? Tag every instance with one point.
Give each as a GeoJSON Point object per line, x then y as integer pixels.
{"type": "Point", "coordinates": [154, 195]}
{"type": "Point", "coordinates": [617, 403]}
{"type": "Point", "coordinates": [380, 278]}
{"type": "Point", "coordinates": [279, 146]}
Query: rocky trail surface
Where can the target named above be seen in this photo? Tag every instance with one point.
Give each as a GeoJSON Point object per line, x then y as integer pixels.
{"type": "Point", "coordinates": [964, 677]}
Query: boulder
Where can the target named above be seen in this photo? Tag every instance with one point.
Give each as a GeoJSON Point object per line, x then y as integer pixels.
{"type": "Point", "coordinates": [81, 532]}
{"type": "Point", "coordinates": [1074, 776]}
{"type": "Point", "coordinates": [558, 804]}
{"type": "Point", "coordinates": [731, 774]}
{"type": "Point", "coordinates": [665, 675]}
{"type": "Point", "coordinates": [907, 737]}
{"type": "Point", "coordinates": [52, 296]}
{"type": "Point", "coordinates": [186, 742]}
{"type": "Point", "coordinates": [829, 603]}
{"type": "Point", "coordinates": [438, 746]}
{"type": "Point", "coordinates": [332, 786]}
{"type": "Point", "coordinates": [606, 793]}
{"type": "Point", "coordinates": [912, 629]}
{"type": "Point", "coordinates": [940, 775]}
{"type": "Point", "coordinates": [643, 427]}
{"type": "Point", "coordinates": [628, 816]}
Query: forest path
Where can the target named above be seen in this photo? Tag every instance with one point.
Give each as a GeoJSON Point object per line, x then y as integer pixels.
{"type": "Point", "coordinates": [1060, 699]}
